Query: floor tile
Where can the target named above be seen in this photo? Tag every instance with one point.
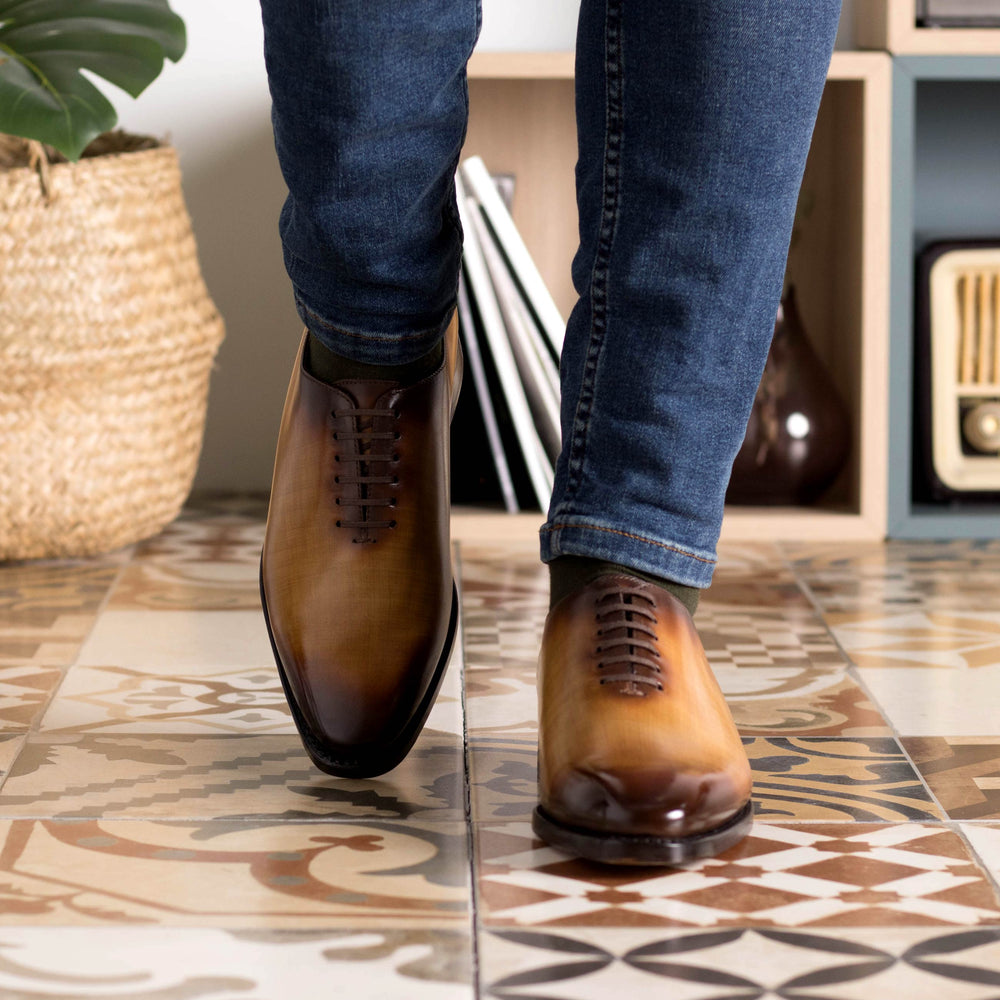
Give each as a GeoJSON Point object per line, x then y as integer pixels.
{"type": "Point", "coordinates": [985, 840]}
{"type": "Point", "coordinates": [10, 747]}
{"type": "Point", "coordinates": [593, 964]}
{"type": "Point", "coordinates": [501, 702]}
{"type": "Point", "coordinates": [24, 692]}
{"type": "Point", "coordinates": [963, 773]}
{"type": "Point", "coordinates": [748, 559]}
{"type": "Point", "coordinates": [773, 588]}
{"type": "Point", "coordinates": [259, 778]}
{"type": "Point", "coordinates": [178, 642]}
{"type": "Point", "coordinates": [122, 699]}
{"type": "Point", "coordinates": [807, 875]}
{"type": "Point", "coordinates": [178, 963]}
{"type": "Point", "coordinates": [173, 672]}
{"type": "Point", "coordinates": [236, 875]}
{"type": "Point", "coordinates": [771, 637]}
{"type": "Point", "coordinates": [865, 780]}
{"type": "Point", "coordinates": [922, 556]}
{"type": "Point", "coordinates": [503, 777]}
{"type": "Point", "coordinates": [188, 584]}
{"type": "Point", "coordinates": [810, 701]}
{"type": "Point", "coordinates": [504, 604]}
{"type": "Point", "coordinates": [47, 608]}
{"type": "Point", "coordinates": [196, 672]}
{"type": "Point", "coordinates": [921, 638]}
{"type": "Point", "coordinates": [207, 559]}
{"type": "Point", "coordinates": [957, 574]}
{"type": "Point", "coordinates": [926, 701]}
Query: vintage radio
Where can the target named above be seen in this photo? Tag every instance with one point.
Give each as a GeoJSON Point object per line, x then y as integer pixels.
{"type": "Point", "coordinates": [958, 369]}
{"type": "Point", "coordinates": [958, 13]}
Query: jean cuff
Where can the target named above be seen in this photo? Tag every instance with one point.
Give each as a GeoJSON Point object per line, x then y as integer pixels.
{"type": "Point", "coordinates": [369, 346]}
{"type": "Point", "coordinates": [579, 536]}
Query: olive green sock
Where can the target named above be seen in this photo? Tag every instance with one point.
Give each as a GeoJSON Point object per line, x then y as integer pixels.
{"type": "Point", "coordinates": [328, 367]}
{"type": "Point", "coordinates": [568, 573]}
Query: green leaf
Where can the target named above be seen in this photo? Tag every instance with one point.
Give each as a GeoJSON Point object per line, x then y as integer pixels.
{"type": "Point", "coordinates": [44, 44]}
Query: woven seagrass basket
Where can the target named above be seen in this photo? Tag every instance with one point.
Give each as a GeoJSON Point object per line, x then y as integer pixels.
{"type": "Point", "coordinates": [107, 338]}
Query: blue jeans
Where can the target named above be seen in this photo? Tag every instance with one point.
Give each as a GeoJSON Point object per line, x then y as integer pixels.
{"type": "Point", "coordinates": [694, 120]}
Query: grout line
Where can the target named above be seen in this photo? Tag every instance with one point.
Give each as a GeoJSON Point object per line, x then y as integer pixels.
{"type": "Point", "coordinates": [34, 728]}
{"type": "Point", "coordinates": [856, 675]}
{"type": "Point", "coordinates": [470, 828]}
{"type": "Point", "coordinates": [992, 877]}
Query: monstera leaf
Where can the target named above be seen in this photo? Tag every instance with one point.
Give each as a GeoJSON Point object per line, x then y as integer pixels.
{"type": "Point", "coordinates": [44, 44]}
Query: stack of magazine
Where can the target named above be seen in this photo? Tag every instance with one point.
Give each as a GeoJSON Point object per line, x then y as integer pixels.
{"type": "Point", "coordinates": [512, 335]}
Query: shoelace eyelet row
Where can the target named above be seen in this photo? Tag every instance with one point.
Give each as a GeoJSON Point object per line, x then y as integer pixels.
{"type": "Point", "coordinates": [371, 453]}
{"type": "Point", "coordinates": [626, 639]}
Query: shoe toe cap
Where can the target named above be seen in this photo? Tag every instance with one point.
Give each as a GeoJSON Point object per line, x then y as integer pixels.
{"type": "Point", "coordinates": [652, 801]}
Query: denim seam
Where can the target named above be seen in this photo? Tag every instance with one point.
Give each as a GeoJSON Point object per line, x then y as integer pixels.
{"type": "Point", "coordinates": [627, 534]}
{"type": "Point", "coordinates": [599, 278]}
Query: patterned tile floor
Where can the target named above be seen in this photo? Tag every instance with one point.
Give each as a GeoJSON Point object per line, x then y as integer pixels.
{"type": "Point", "coordinates": [164, 837]}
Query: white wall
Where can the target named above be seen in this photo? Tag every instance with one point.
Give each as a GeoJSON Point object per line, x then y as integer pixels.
{"type": "Point", "coordinates": [214, 106]}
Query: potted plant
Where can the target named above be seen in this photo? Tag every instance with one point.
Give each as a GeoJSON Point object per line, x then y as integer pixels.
{"type": "Point", "coordinates": [107, 332]}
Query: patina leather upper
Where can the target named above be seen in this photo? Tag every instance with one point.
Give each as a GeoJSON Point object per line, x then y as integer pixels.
{"type": "Point", "coordinates": [635, 736]}
{"type": "Point", "coordinates": [356, 566]}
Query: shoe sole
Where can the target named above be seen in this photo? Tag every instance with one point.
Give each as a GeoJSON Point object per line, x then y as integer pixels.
{"type": "Point", "coordinates": [385, 758]}
{"type": "Point", "coordinates": [635, 849]}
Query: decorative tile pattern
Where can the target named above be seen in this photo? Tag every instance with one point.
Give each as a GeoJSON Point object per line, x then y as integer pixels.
{"type": "Point", "coordinates": [969, 640]}
{"type": "Point", "coordinates": [963, 773]}
{"type": "Point", "coordinates": [164, 785]}
{"type": "Point", "coordinates": [173, 672]}
{"type": "Point", "coordinates": [24, 692]}
{"type": "Point", "coordinates": [959, 574]}
{"type": "Point", "coordinates": [190, 672]}
{"type": "Point", "coordinates": [198, 562]}
{"type": "Point", "coordinates": [790, 701]}
{"type": "Point", "coordinates": [815, 875]}
{"type": "Point", "coordinates": [47, 608]}
{"type": "Point", "coordinates": [119, 699]}
{"type": "Point", "coordinates": [278, 875]}
{"type": "Point", "coordinates": [788, 637]}
{"type": "Point", "coordinates": [934, 672]}
{"type": "Point", "coordinates": [865, 780]}
{"type": "Point", "coordinates": [985, 840]}
{"type": "Point", "coordinates": [173, 963]}
{"type": "Point", "coordinates": [10, 747]}
{"type": "Point", "coordinates": [263, 778]}
{"type": "Point", "coordinates": [501, 702]}
{"type": "Point", "coordinates": [503, 778]}
{"type": "Point", "coordinates": [590, 964]}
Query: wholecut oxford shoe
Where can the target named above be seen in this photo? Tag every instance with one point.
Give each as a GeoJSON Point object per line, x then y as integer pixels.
{"type": "Point", "coordinates": [355, 578]}
{"type": "Point", "coordinates": [639, 761]}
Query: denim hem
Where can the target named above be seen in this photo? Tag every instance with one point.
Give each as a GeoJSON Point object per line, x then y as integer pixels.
{"type": "Point", "coordinates": [370, 347]}
{"type": "Point", "coordinates": [669, 560]}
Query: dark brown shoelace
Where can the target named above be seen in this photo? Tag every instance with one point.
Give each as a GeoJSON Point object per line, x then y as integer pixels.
{"type": "Point", "coordinates": [369, 467]}
{"type": "Point", "coordinates": [626, 639]}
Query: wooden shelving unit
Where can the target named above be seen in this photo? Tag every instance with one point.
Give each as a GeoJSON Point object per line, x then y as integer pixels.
{"type": "Point", "coordinates": [946, 112]}
{"type": "Point", "coordinates": [522, 121]}
{"type": "Point", "coordinates": [892, 25]}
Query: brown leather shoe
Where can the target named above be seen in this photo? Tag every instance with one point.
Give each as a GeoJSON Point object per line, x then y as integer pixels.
{"type": "Point", "coordinates": [639, 761]}
{"type": "Point", "coordinates": [356, 579]}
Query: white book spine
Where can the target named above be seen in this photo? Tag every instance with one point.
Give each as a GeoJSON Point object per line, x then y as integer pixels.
{"type": "Point", "coordinates": [539, 469]}
{"type": "Point", "coordinates": [476, 176]}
